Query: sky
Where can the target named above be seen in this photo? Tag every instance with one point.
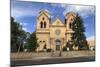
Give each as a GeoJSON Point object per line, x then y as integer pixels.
{"type": "Point", "coordinates": [26, 14]}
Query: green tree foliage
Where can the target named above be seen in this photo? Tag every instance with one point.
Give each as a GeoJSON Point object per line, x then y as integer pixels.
{"type": "Point", "coordinates": [32, 42]}
{"type": "Point", "coordinates": [78, 37]}
{"type": "Point", "coordinates": [64, 48]}
{"type": "Point", "coordinates": [21, 39]}
{"type": "Point", "coordinates": [18, 36]}
{"type": "Point", "coordinates": [14, 35]}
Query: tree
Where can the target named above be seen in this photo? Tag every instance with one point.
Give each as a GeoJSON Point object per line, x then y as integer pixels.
{"type": "Point", "coordinates": [78, 37]}
{"type": "Point", "coordinates": [14, 35]}
{"type": "Point", "coordinates": [25, 41]}
{"type": "Point", "coordinates": [32, 42]}
{"type": "Point", "coordinates": [22, 39]}
{"type": "Point", "coordinates": [18, 36]}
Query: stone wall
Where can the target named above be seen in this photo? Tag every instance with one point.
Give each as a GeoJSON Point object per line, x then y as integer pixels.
{"type": "Point", "coordinates": [78, 53]}
{"type": "Point", "coordinates": [68, 54]}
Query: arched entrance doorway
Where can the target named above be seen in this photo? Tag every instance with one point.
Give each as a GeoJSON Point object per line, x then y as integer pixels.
{"type": "Point", "coordinates": [58, 44]}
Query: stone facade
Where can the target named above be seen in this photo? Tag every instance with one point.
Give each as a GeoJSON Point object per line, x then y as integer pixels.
{"type": "Point", "coordinates": [53, 35]}
{"type": "Point", "coordinates": [91, 44]}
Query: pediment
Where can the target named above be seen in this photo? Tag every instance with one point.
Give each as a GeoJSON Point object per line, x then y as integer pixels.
{"type": "Point", "coordinates": [57, 22]}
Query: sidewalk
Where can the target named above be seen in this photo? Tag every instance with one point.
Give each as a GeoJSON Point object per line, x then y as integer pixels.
{"type": "Point", "coordinates": [42, 58]}
{"type": "Point", "coordinates": [51, 61]}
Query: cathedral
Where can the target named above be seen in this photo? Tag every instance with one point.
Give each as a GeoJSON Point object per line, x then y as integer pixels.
{"type": "Point", "coordinates": [53, 35]}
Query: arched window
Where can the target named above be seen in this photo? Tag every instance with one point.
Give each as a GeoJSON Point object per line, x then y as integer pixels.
{"type": "Point", "coordinates": [71, 19]}
{"type": "Point", "coordinates": [44, 24]}
{"type": "Point", "coordinates": [43, 18]}
{"type": "Point", "coordinates": [70, 25]}
{"type": "Point", "coordinates": [41, 24]}
{"type": "Point", "coordinates": [43, 41]}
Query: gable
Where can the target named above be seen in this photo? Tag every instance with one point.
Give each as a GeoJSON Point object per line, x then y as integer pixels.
{"type": "Point", "coordinates": [44, 13]}
{"type": "Point", "coordinates": [57, 22]}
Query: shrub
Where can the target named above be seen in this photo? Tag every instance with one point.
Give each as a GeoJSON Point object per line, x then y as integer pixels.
{"type": "Point", "coordinates": [49, 50]}
{"type": "Point", "coordinates": [64, 48]}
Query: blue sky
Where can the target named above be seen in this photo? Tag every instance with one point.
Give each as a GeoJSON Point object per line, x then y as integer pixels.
{"type": "Point", "coordinates": [26, 14]}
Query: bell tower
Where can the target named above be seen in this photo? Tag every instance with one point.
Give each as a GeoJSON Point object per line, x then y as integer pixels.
{"type": "Point", "coordinates": [42, 32]}
{"type": "Point", "coordinates": [69, 19]}
{"type": "Point", "coordinates": [43, 20]}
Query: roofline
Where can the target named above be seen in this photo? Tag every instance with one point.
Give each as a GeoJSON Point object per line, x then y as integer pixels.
{"type": "Point", "coordinates": [43, 12]}
{"type": "Point", "coordinates": [56, 19]}
{"type": "Point", "coordinates": [70, 13]}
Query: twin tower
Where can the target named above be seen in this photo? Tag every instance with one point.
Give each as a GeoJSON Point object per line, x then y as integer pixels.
{"type": "Point", "coordinates": [53, 35]}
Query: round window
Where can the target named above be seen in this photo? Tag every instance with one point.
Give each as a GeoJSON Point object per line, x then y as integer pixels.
{"type": "Point", "coordinates": [57, 32]}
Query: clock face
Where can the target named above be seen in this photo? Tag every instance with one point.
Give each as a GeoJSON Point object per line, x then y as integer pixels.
{"type": "Point", "coordinates": [57, 32]}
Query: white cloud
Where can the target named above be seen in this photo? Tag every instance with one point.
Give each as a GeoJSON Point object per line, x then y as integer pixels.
{"type": "Point", "coordinates": [60, 5]}
{"type": "Point", "coordinates": [84, 11]}
{"type": "Point", "coordinates": [19, 9]}
{"type": "Point", "coordinates": [91, 38]}
{"type": "Point", "coordinates": [24, 24]}
{"type": "Point", "coordinates": [86, 25]}
{"type": "Point", "coordinates": [21, 12]}
{"type": "Point", "coordinates": [52, 16]}
{"type": "Point", "coordinates": [25, 29]}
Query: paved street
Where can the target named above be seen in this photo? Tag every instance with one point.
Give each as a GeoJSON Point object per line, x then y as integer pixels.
{"type": "Point", "coordinates": [50, 61]}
